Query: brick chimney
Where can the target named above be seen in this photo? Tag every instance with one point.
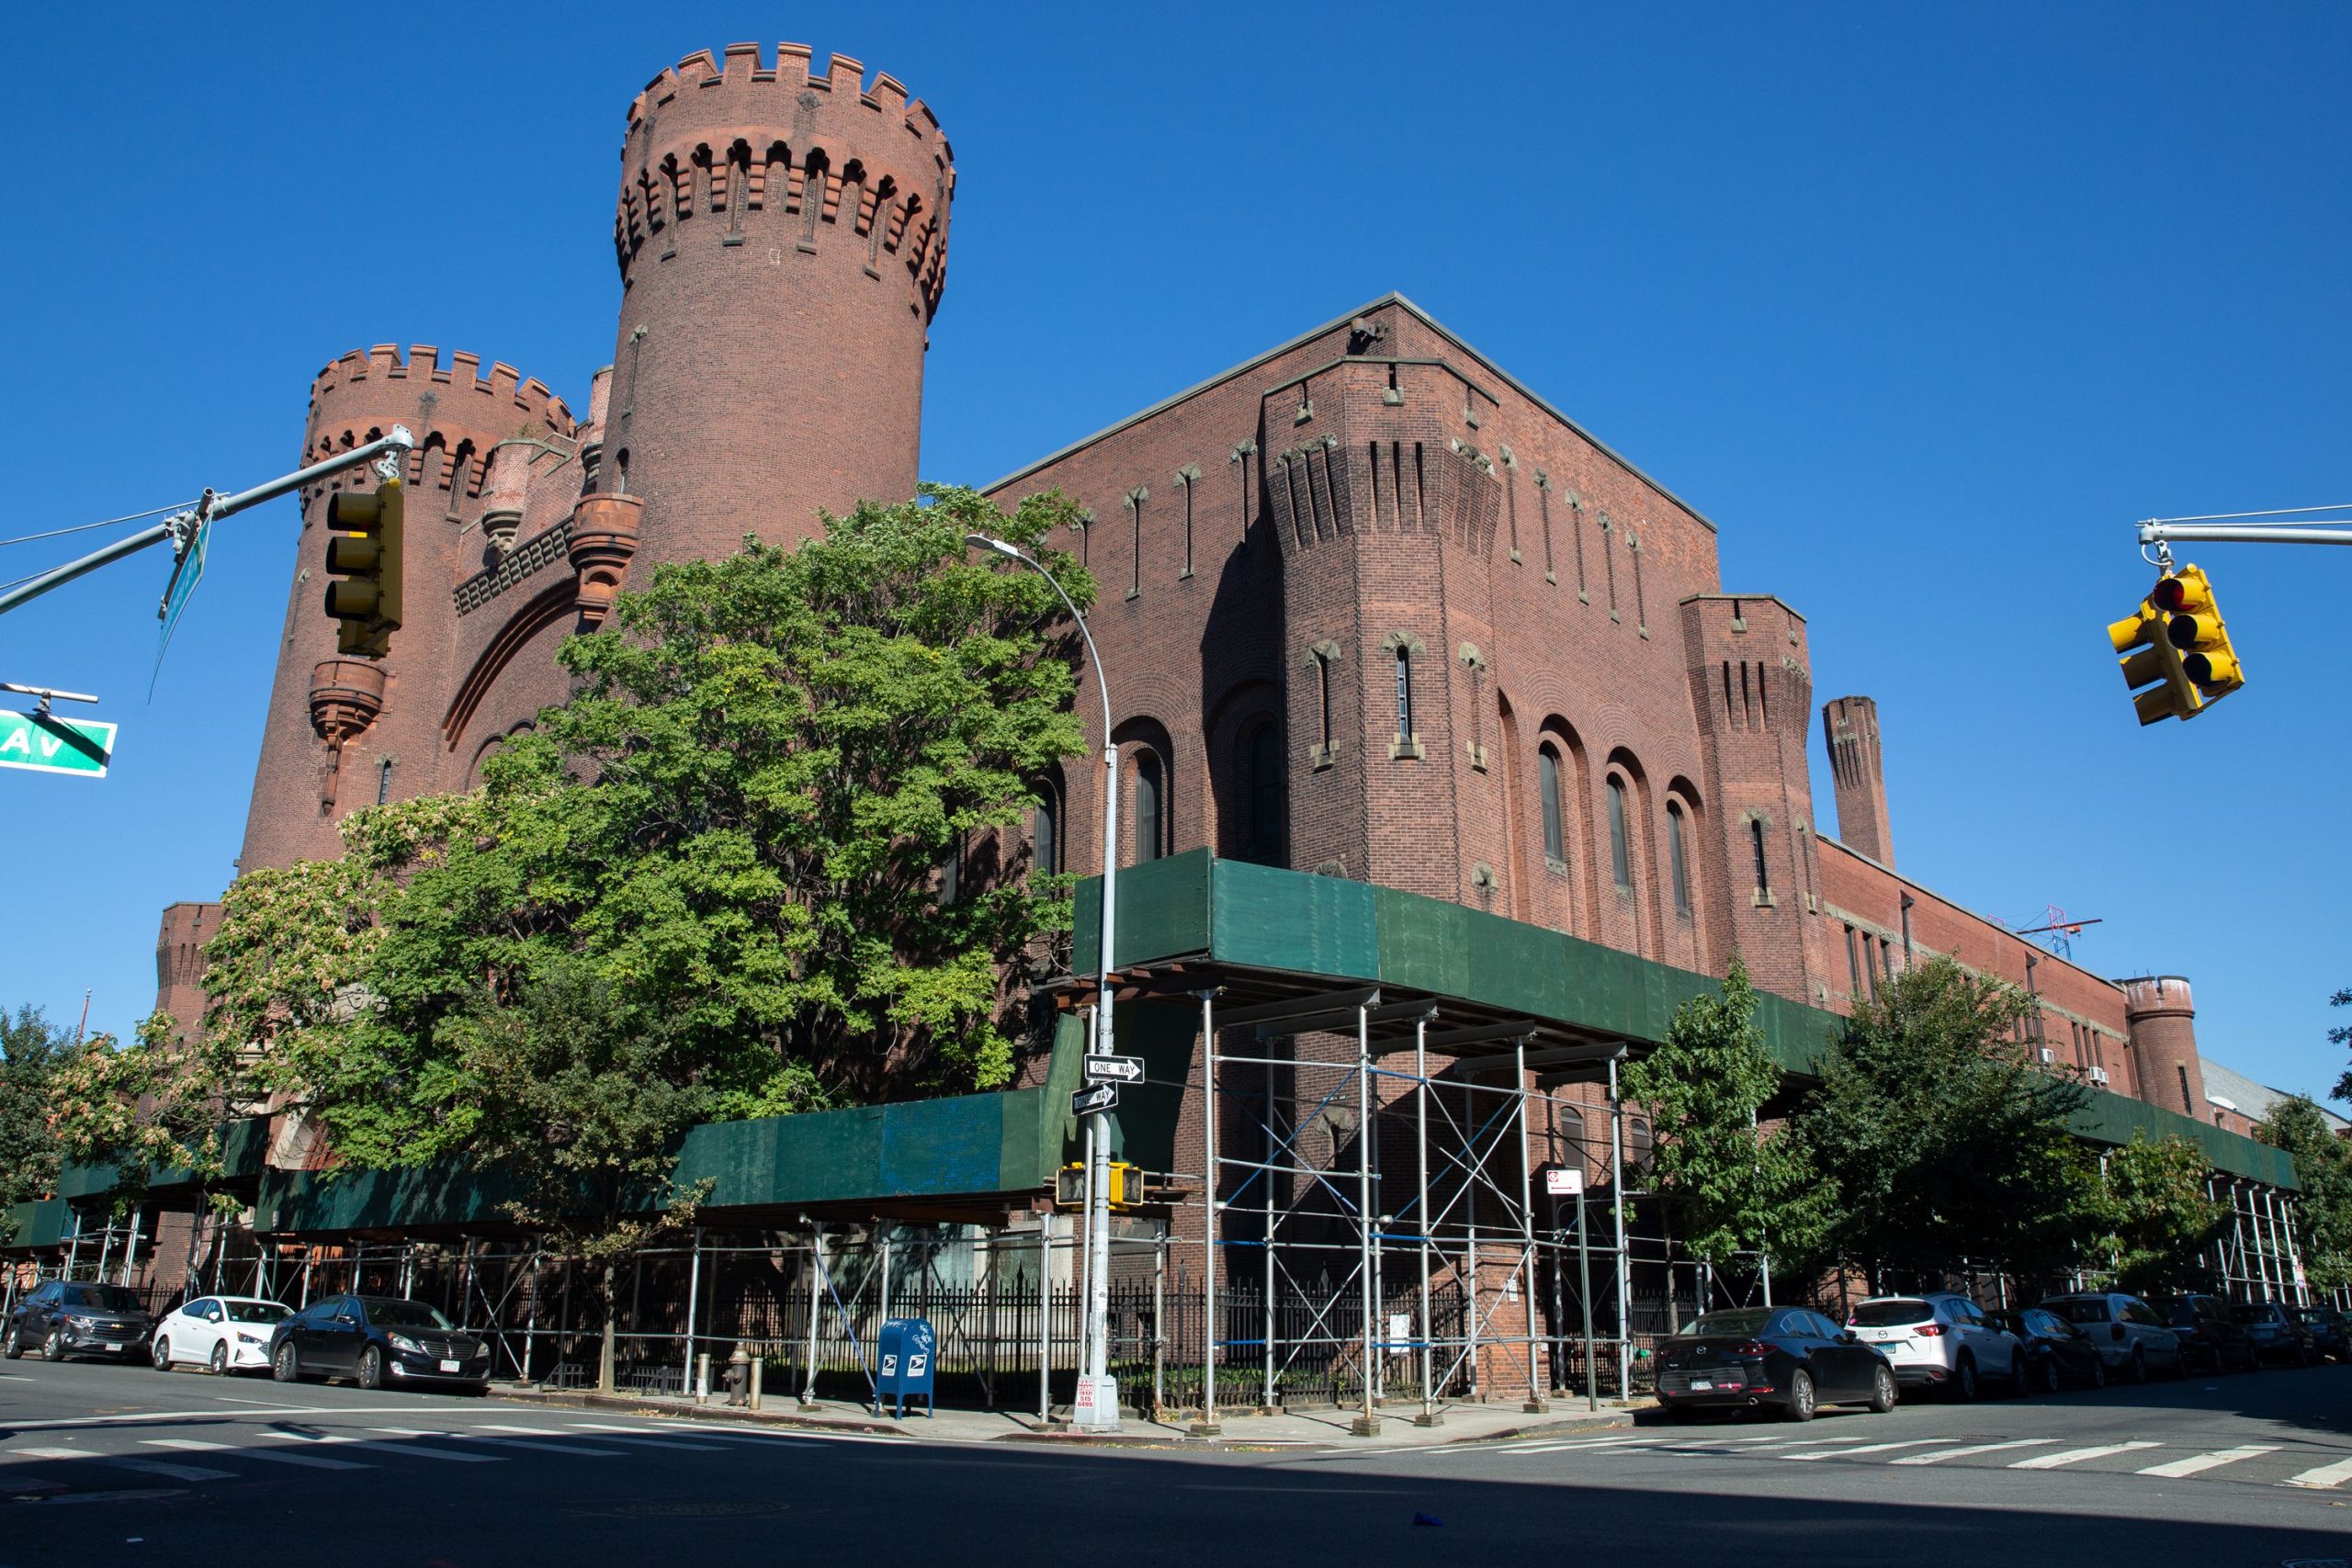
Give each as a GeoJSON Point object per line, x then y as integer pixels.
{"type": "Point", "coordinates": [1851, 726]}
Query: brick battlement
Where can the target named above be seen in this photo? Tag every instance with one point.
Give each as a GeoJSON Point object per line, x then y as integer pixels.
{"type": "Point", "coordinates": [503, 388]}
{"type": "Point", "coordinates": [782, 83]}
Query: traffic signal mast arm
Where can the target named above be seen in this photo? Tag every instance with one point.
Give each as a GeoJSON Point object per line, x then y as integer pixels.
{"type": "Point", "coordinates": [2193, 534]}
{"type": "Point", "coordinates": [181, 528]}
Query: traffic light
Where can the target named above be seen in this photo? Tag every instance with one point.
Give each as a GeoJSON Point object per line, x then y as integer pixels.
{"type": "Point", "coordinates": [2175, 647]}
{"type": "Point", "coordinates": [364, 554]}
{"type": "Point", "coordinates": [1125, 1186]}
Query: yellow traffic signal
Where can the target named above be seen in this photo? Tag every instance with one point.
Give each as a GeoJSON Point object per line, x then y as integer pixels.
{"type": "Point", "coordinates": [364, 554]}
{"type": "Point", "coordinates": [1125, 1186]}
{"type": "Point", "coordinates": [2175, 647]}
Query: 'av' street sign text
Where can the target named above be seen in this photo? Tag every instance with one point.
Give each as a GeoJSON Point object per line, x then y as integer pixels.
{"type": "Point", "coordinates": [48, 744]}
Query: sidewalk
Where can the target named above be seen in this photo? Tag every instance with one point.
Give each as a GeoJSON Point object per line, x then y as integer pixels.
{"type": "Point", "coordinates": [1315, 1430]}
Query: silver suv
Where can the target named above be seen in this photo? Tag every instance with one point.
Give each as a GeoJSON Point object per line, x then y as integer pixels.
{"type": "Point", "coordinates": [2133, 1337]}
{"type": "Point", "coordinates": [1938, 1339]}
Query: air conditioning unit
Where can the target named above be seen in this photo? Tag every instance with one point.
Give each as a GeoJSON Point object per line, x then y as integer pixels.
{"type": "Point", "coordinates": [2099, 1075]}
{"type": "Point", "coordinates": [2047, 1056]}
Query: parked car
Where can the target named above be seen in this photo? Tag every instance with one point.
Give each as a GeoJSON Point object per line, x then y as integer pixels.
{"type": "Point", "coordinates": [2056, 1352]}
{"type": "Point", "coordinates": [2277, 1334]}
{"type": "Point", "coordinates": [377, 1340]}
{"type": "Point", "coordinates": [76, 1317]}
{"type": "Point", "coordinates": [220, 1334]}
{"type": "Point", "coordinates": [1788, 1358]}
{"type": "Point", "coordinates": [1939, 1339]}
{"type": "Point", "coordinates": [2132, 1336]}
{"type": "Point", "coordinates": [2211, 1335]}
{"type": "Point", "coordinates": [2331, 1333]}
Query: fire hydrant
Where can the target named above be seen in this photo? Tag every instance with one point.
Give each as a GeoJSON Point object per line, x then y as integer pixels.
{"type": "Point", "coordinates": [739, 1377]}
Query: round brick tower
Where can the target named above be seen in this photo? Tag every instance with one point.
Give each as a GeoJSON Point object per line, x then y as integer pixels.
{"type": "Point", "coordinates": [2161, 1016]}
{"type": "Point", "coordinates": [783, 242]}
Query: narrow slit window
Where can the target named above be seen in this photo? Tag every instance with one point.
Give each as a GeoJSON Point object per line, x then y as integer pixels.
{"type": "Point", "coordinates": [1404, 691]}
{"type": "Point", "coordinates": [1756, 843]}
{"type": "Point", "coordinates": [1046, 833]}
{"type": "Point", "coordinates": [1853, 966]}
{"type": "Point", "coordinates": [1323, 692]}
{"type": "Point", "coordinates": [1148, 828]}
{"type": "Point", "coordinates": [1620, 846]}
{"type": "Point", "coordinates": [1265, 838]}
{"type": "Point", "coordinates": [1677, 859]}
{"type": "Point", "coordinates": [1547, 770]}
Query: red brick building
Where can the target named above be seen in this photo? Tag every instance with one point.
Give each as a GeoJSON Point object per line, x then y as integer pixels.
{"type": "Point", "coordinates": [1372, 606]}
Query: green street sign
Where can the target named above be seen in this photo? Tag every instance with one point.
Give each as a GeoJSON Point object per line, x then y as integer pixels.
{"type": "Point", "coordinates": [48, 744]}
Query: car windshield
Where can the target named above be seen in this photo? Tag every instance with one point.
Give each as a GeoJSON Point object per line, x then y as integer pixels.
{"type": "Point", "coordinates": [2078, 1309]}
{"type": "Point", "coordinates": [257, 1312]}
{"type": "Point", "coordinates": [100, 1298]}
{"type": "Point", "coordinates": [2313, 1314]}
{"type": "Point", "coordinates": [387, 1312]}
{"type": "Point", "coordinates": [2180, 1314]}
{"type": "Point", "coordinates": [1751, 1321]}
{"type": "Point", "coordinates": [1890, 1315]}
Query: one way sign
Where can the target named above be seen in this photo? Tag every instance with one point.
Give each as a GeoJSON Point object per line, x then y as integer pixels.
{"type": "Point", "coordinates": [1115, 1070]}
{"type": "Point", "coordinates": [1100, 1097]}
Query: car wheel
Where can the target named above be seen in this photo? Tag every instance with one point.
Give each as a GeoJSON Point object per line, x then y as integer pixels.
{"type": "Point", "coordinates": [2099, 1372]}
{"type": "Point", "coordinates": [287, 1365]}
{"type": "Point", "coordinates": [1802, 1402]}
{"type": "Point", "coordinates": [15, 1346]}
{"type": "Point", "coordinates": [218, 1365]}
{"type": "Point", "coordinates": [159, 1353]}
{"type": "Point", "coordinates": [1963, 1380]}
{"type": "Point", "coordinates": [1882, 1394]}
{"type": "Point", "coordinates": [2139, 1365]}
{"type": "Point", "coordinates": [2050, 1380]}
{"type": "Point", "coordinates": [53, 1348]}
{"type": "Point", "coordinates": [371, 1368]}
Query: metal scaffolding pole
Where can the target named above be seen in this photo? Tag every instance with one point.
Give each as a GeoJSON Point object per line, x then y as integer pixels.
{"type": "Point", "coordinates": [694, 1296]}
{"type": "Point", "coordinates": [1625, 1267]}
{"type": "Point", "coordinates": [1367, 1423]}
{"type": "Point", "coordinates": [1045, 1318]}
{"type": "Point", "coordinates": [1535, 1404]}
{"type": "Point", "coordinates": [1428, 1416]}
{"type": "Point", "coordinates": [1209, 1336]}
{"type": "Point", "coordinates": [2295, 1257]}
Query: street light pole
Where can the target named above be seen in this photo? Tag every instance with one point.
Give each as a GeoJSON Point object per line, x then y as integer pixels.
{"type": "Point", "coordinates": [1097, 1406]}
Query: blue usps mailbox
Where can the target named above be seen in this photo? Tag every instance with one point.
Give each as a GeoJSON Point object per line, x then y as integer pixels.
{"type": "Point", "coordinates": [906, 1370]}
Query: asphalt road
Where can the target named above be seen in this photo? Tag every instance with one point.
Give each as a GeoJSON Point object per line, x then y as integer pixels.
{"type": "Point", "coordinates": [108, 1465]}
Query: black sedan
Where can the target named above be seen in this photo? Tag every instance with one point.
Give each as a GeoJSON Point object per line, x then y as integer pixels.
{"type": "Point", "coordinates": [76, 1317]}
{"type": "Point", "coordinates": [2331, 1334]}
{"type": "Point", "coordinates": [377, 1340]}
{"type": "Point", "coordinates": [2057, 1353]}
{"type": "Point", "coordinates": [1787, 1358]}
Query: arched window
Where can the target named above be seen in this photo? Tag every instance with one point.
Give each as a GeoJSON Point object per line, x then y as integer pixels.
{"type": "Point", "coordinates": [1677, 857]}
{"type": "Point", "coordinates": [951, 876]}
{"type": "Point", "coordinates": [1547, 789]}
{"type": "Point", "coordinates": [1620, 845]}
{"type": "Point", "coordinates": [1146, 807]}
{"type": "Point", "coordinates": [1045, 831]}
{"type": "Point", "coordinates": [1263, 755]}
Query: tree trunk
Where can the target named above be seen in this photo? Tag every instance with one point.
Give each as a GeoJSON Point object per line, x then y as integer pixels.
{"type": "Point", "coordinates": [605, 1379]}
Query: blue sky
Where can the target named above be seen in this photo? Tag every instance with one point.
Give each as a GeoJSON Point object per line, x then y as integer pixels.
{"type": "Point", "coordinates": [1923, 306]}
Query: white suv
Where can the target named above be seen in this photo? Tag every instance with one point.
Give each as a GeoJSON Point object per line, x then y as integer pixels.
{"type": "Point", "coordinates": [1938, 1339]}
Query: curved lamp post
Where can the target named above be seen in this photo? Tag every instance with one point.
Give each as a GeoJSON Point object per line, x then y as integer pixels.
{"type": "Point", "coordinates": [1100, 1411]}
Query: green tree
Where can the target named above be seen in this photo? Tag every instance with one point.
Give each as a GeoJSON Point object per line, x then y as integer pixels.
{"type": "Point", "coordinates": [30, 1049]}
{"type": "Point", "coordinates": [2324, 1170]}
{"type": "Point", "coordinates": [1736, 1185]}
{"type": "Point", "coordinates": [2340, 1037]}
{"type": "Point", "coordinates": [1946, 1142]}
{"type": "Point", "coordinates": [2156, 1215]}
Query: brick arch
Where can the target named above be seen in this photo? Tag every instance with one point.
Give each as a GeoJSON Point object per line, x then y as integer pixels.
{"type": "Point", "coordinates": [1140, 738]}
{"type": "Point", "coordinates": [1227, 734]}
{"type": "Point", "coordinates": [549, 605]}
{"type": "Point", "coordinates": [1697, 868]}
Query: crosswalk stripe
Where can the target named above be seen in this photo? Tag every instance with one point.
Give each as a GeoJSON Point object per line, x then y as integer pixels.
{"type": "Point", "coordinates": [1861, 1449]}
{"type": "Point", "coordinates": [693, 1441]}
{"type": "Point", "coordinates": [49, 1453]}
{"type": "Point", "coordinates": [175, 1472]}
{"type": "Point", "coordinates": [2198, 1463]}
{"type": "Point", "coordinates": [303, 1438]}
{"type": "Point", "coordinates": [471, 1437]}
{"type": "Point", "coordinates": [274, 1456]}
{"type": "Point", "coordinates": [2334, 1474]}
{"type": "Point", "coordinates": [2077, 1456]}
{"type": "Point", "coordinates": [418, 1450]}
{"type": "Point", "coordinates": [1972, 1450]}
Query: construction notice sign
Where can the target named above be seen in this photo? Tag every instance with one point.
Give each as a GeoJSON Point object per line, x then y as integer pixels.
{"type": "Point", "coordinates": [45, 743]}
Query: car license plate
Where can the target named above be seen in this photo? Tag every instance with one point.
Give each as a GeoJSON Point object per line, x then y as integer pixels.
{"type": "Point", "coordinates": [451, 1366]}
{"type": "Point", "coordinates": [1702, 1385]}
{"type": "Point", "coordinates": [114, 1344]}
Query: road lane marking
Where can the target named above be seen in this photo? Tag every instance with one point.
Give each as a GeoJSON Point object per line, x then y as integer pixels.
{"type": "Point", "coordinates": [2077, 1456]}
{"type": "Point", "coordinates": [274, 1456]}
{"type": "Point", "coordinates": [2198, 1464]}
{"type": "Point", "coordinates": [303, 1438]}
{"type": "Point", "coordinates": [49, 1453]}
{"type": "Point", "coordinates": [1861, 1449]}
{"type": "Point", "coordinates": [456, 1435]}
{"type": "Point", "coordinates": [2334, 1474]}
{"type": "Point", "coordinates": [153, 1416]}
{"type": "Point", "coordinates": [175, 1472]}
{"type": "Point", "coordinates": [1972, 1450]}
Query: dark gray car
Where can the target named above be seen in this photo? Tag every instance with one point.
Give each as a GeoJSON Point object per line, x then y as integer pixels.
{"type": "Point", "coordinates": [78, 1317]}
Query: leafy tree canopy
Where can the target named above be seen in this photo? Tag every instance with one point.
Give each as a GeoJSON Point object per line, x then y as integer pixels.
{"type": "Point", "coordinates": [1737, 1186]}
{"type": "Point", "coordinates": [2157, 1216]}
{"type": "Point", "coordinates": [1945, 1140]}
{"type": "Point", "coordinates": [30, 1049]}
{"type": "Point", "coordinates": [2324, 1170]}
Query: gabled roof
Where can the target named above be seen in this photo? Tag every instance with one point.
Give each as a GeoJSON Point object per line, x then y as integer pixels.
{"type": "Point", "coordinates": [2251, 1099]}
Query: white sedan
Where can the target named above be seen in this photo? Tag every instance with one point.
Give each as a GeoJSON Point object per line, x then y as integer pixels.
{"type": "Point", "coordinates": [221, 1334]}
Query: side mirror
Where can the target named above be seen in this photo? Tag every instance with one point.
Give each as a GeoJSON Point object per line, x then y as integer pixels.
{"type": "Point", "coordinates": [1851, 1338]}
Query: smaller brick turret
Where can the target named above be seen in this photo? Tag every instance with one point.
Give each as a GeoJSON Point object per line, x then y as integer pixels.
{"type": "Point", "coordinates": [180, 942]}
{"type": "Point", "coordinates": [1857, 771]}
{"type": "Point", "coordinates": [2163, 1019]}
